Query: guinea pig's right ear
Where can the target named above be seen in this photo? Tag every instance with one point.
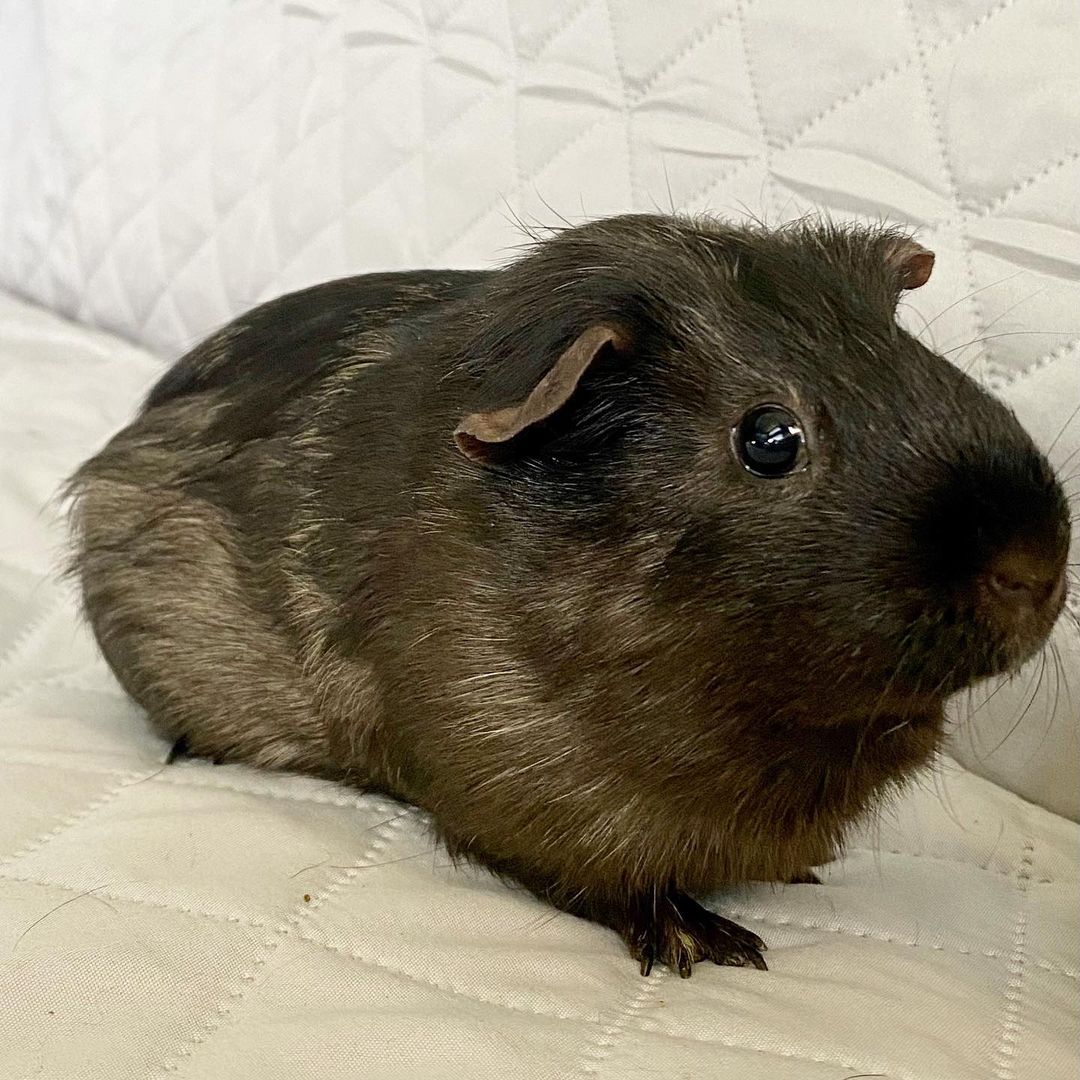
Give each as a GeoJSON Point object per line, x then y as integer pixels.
{"type": "Point", "coordinates": [911, 263]}
{"type": "Point", "coordinates": [480, 435]}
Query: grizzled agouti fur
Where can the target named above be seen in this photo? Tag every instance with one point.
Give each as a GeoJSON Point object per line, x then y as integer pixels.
{"type": "Point", "coordinates": [644, 564]}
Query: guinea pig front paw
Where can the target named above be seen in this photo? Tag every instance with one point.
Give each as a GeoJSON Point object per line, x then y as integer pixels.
{"type": "Point", "coordinates": [179, 751]}
{"type": "Point", "coordinates": [673, 929]}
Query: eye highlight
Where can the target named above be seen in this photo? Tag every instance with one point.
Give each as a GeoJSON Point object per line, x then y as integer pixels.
{"type": "Point", "coordinates": [770, 442]}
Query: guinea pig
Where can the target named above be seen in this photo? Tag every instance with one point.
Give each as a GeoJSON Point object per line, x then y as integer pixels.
{"type": "Point", "coordinates": [644, 564]}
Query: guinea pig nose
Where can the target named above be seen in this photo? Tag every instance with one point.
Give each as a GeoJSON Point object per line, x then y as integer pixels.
{"type": "Point", "coordinates": [1020, 577]}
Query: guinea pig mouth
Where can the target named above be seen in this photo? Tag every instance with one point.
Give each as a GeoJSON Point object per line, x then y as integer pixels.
{"type": "Point", "coordinates": [1017, 649]}
{"type": "Point", "coordinates": [1022, 631]}
{"type": "Point", "coordinates": [979, 646]}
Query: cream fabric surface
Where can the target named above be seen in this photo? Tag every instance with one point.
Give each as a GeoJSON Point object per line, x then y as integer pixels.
{"type": "Point", "coordinates": [223, 924]}
{"type": "Point", "coordinates": [164, 165]}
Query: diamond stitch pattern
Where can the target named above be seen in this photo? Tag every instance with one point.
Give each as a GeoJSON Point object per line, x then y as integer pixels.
{"type": "Point", "coordinates": [164, 166]}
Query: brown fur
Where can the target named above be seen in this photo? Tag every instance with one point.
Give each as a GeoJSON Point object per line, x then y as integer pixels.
{"type": "Point", "coordinates": [612, 664]}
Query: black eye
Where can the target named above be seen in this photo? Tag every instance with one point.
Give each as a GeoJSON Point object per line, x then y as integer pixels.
{"type": "Point", "coordinates": [769, 441]}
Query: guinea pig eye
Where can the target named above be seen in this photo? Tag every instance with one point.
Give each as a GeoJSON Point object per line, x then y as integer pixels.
{"type": "Point", "coordinates": [769, 441]}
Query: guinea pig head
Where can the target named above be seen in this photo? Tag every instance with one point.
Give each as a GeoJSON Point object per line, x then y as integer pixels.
{"type": "Point", "coordinates": [735, 474]}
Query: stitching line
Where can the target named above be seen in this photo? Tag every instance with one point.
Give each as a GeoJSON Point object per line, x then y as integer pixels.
{"type": "Point", "coordinates": [768, 184]}
{"type": "Point", "coordinates": [944, 860]}
{"type": "Point", "coordinates": [110, 198]}
{"type": "Point", "coordinates": [236, 996]}
{"type": "Point", "coordinates": [428, 137]}
{"type": "Point", "coordinates": [29, 628]}
{"type": "Point", "coordinates": [61, 221]}
{"type": "Point", "coordinates": [780, 146]}
{"type": "Point", "coordinates": [990, 954]}
{"type": "Point", "coordinates": [978, 320]}
{"type": "Point", "coordinates": [90, 272]}
{"type": "Point", "coordinates": [988, 208]}
{"type": "Point", "coordinates": [934, 47]}
{"type": "Point", "coordinates": [978, 211]}
{"type": "Point", "coordinates": [222, 217]}
{"type": "Point", "coordinates": [544, 41]}
{"type": "Point", "coordinates": [1004, 1056]}
{"type": "Point", "coordinates": [45, 761]}
{"type": "Point", "coordinates": [604, 1045]}
{"type": "Point", "coordinates": [360, 801]}
{"type": "Point", "coordinates": [627, 106]}
{"type": "Point", "coordinates": [215, 916]}
{"type": "Point", "coordinates": [580, 137]}
{"type": "Point", "coordinates": [731, 909]}
{"type": "Point", "coordinates": [810, 124]}
{"type": "Point", "coordinates": [853, 95]}
{"type": "Point", "coordinates": [74, 819]}
{"type": "Point", "coordinates": [440, 985]}
{"type": "Point", "coordinates": [690, 46]}
{"type": "Point", "coordinates": [1045, 361]}
{"type": "Point", "coordinates": [377, 802]}
{"type": "Point", "coordinates": [514, 135]}
{"type": "Point", "coordinates": [427, 141]}
{"type": "Point", "coordinates": [602, 1048]}
{"type": "Point", "coordinates": [137, 901]}
{"type": "Point", "coordinates": [63, 680]}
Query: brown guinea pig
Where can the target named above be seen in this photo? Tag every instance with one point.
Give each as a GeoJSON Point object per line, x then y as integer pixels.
{"type": "Point", "coordinates": [644, 564]}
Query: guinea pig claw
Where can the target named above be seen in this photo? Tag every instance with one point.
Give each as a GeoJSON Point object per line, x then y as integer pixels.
{"type": "Point", "coordinates": [679, 932]}
{"type": "Point", "coordinates": [759, 963]}
{"type": "Point", "coordinates": [179, 750]}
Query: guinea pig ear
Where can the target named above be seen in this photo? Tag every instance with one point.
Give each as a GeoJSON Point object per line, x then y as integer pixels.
{"type": "Point", "coordinates": [911, 263]}
{"type": "Point", "coordinates": [480, 434]}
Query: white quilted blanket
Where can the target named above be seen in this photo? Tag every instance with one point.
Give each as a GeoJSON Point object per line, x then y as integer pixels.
{"type": "Point", "coordinates": [162, 166]}
{"type": "Point", "coordinates": [224, 924]}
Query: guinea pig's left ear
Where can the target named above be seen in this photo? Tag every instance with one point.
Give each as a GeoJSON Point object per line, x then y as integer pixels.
{"type": "Point", "coordinates": [480, 434]}
{"type": "Point", "coordinates": [911, 263]}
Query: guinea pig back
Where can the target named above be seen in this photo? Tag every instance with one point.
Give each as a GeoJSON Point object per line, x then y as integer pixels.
{"type": "Point", "coordinates": [645, 564]}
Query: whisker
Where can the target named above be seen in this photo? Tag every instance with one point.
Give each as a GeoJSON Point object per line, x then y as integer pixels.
{"type": "Point", "coordinates": [1027, 708]}
{"type": "Point", "coordinates": [1052, 711]}
{"type": "Point", "coordinates": [517, 220]}
{"type": "Point", "coordinates": [1072, 416]}
{"type": "Point", "coordinates": [1007, 333]}
{"type": "Point", "coordinates": [667, 181]}
{"type": "Point", "coordinates": [926, 325]}
{"type": "Point", "coordinates": [1002, 683]}
{"type": "Point", "coordinates": [997, 318]}
{"type": "Point", "coordinates": [944, 798]}
{"type": "Point", "coordinates": [974, 292]}
{"type": "Point", "coordinates": [566, 221]}
{"type": "Point", "coordinates": [1065, 461]}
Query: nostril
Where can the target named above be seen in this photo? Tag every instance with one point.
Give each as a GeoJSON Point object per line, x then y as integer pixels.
{"type": "Point", "coordinates": [1018, 576]}
{"type": "Point", "coordinates": [1012, 588]}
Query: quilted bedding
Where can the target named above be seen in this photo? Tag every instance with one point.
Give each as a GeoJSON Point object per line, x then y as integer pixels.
{"type": "Point", "coordinates": [221, 923]}
{"type": "Point", "coordinates": [162, 166]}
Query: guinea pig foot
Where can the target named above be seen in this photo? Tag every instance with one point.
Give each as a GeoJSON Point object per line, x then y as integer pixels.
{"type": "Point", "coordinates": [804, 877]}
{"type": "Point", "coordinates": [179, 750]}
{"type": "Point", "coordinates": [679, 932]}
